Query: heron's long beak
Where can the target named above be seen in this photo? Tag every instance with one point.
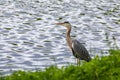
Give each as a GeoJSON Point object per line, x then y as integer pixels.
{"type": "Point", "coordinates": [59, 23]}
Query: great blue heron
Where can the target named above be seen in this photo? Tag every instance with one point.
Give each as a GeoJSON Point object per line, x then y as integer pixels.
{"type": "Point", "coordinates": [78, 50]}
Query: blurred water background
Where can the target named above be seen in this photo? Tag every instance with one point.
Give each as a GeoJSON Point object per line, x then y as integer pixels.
{"type": "Point", "coordinates": [30, 41]}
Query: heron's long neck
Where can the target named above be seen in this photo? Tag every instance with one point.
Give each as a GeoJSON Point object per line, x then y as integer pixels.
{"type": "Point", "coordinates": [69, 40]}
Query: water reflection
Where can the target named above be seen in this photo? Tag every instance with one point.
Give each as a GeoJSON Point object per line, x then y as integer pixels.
{"type": "Point", "coordinates": [29, 40]}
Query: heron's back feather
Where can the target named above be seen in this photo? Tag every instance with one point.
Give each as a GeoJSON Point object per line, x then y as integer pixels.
{"type": "Point", "coordinates": [79, 51]}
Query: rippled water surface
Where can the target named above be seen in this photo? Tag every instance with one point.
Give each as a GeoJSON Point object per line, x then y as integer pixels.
{"type": "Point", "coordinates": [29, 40]}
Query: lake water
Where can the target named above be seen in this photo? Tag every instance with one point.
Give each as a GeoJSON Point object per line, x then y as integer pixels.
{"type": "Point", "coordinates": [29, 39]}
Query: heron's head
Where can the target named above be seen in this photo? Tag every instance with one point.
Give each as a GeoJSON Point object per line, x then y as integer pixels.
{"type": "Point", "coordinates": [65, 24]}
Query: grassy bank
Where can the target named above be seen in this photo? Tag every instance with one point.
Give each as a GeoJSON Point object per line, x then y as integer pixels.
{"type": "Point", "coordinates": [105, 68]}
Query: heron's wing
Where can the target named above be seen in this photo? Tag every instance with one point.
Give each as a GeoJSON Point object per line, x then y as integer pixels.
{"type": "Point", "coordinates": [80, 51]}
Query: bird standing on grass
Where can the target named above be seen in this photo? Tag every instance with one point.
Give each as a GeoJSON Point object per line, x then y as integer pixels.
{"type": "Point", "coordinates": [78, 50]}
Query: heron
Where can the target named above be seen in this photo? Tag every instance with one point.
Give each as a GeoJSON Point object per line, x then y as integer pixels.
{"type": "Point", "coordinates": [78, 50]}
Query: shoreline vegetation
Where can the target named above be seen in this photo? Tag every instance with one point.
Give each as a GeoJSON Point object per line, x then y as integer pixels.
{"type": "Point", "coordinates": [104, 68]}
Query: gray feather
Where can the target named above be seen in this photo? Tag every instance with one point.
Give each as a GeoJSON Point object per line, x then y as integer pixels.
{"type": "Point", "coordinates": [79, 51]}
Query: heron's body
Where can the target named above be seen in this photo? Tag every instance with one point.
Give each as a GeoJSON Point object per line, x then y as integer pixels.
{"type": "Point", "coordinates": [78, 50]}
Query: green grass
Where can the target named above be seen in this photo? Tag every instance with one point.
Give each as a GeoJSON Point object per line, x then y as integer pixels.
{"type": "Point", "coordinates": [105, 68]}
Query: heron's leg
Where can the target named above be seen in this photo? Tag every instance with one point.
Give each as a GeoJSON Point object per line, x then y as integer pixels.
{"type": "Point", "coordinates": [75, 61]}
{"type": "Point", "coordinates": [78, 62]}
